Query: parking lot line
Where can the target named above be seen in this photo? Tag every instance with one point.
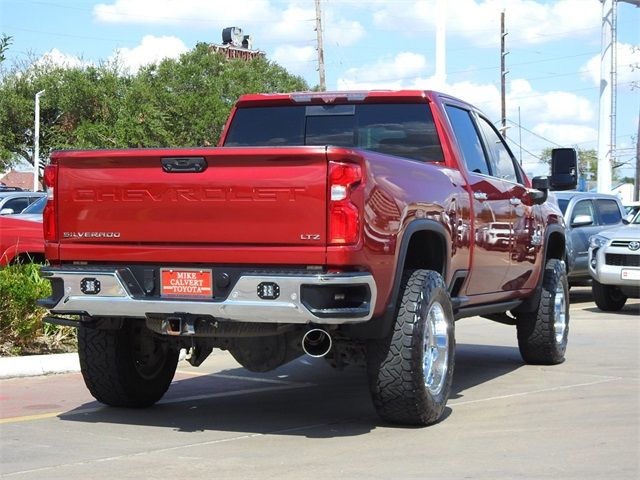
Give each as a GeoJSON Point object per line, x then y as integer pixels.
{"type": "Point", "coordinates": [281, 386]}
{"type": "Point", "coordinates": [531, 392]}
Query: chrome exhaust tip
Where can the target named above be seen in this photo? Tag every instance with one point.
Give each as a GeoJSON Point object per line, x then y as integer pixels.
{"type": "Point", "coordinates": [316, 343]}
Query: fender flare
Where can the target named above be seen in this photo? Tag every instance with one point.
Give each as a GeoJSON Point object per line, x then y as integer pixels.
{"type": "Point", "coordinates": [379, 326]}
{"type": "Point", "coordinates": [531, 303]}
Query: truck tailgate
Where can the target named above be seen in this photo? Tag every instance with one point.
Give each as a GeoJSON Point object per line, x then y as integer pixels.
{"type": "Point", "coordinates": [244, 196]}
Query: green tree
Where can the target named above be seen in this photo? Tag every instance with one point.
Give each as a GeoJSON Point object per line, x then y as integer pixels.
{"type": "Point", "coordinates": [5, 42]}
{"type": "Point", "coordinates": [587, 163]}
{"type": "Point", "coordinates": [175, 103]}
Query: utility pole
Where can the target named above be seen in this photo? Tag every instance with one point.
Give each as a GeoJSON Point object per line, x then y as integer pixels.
{"type": "Point", "coordinates": [503, 76]}
{"type": "Point", "coordinates": [320, 47]}
{"type": "Point", "coordinates": [36, 142]}
{"type": "Point", "coordinates": [636, 192]}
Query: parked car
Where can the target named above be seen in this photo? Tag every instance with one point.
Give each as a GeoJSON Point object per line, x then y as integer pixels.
{"type": "Point", "coordinates": [631, 208]}
{"type": "Point", "coordinates": [614, 265]}
{"type": "Point", "coordinates": [15, 200]}
{"type": "Point", "coordinates": [586, 214]}
{"type": "Point", "coordinates": [20, 240]}
{"type": "Point", "coordinates": [33, 211]}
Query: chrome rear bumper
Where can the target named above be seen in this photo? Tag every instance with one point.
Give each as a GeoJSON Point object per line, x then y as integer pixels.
{"type": "Point", "coordinates": [114, 299]}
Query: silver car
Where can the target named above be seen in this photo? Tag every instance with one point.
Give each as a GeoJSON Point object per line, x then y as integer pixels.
{"type": "Point", "coordinates": [15, 201]}
{"type": "Point", "coordinates": [586, 214]}
{"type": "Point", "coordinates": [614, 265]}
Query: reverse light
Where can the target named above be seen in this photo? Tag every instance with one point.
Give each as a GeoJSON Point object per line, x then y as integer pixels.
{"type": "Point", "coordinates": [48, 215]}
{"type": "Point", "coordinates": [344, 216]}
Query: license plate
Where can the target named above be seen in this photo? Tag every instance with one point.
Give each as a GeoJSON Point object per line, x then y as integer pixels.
{"type": "Point", "coordinates": [186, 282]}
{"type": "Point", "coordinates": [630, 274]}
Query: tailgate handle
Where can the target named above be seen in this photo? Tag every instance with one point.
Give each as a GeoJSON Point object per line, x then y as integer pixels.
{"type": "Point", "coordinates": [184, 164]}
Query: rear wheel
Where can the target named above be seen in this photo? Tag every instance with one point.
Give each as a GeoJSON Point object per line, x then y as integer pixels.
{"type": "Point", "coordinates": [543, 334]}
{"type": "Point", "coordinates": [608, 297]}
{"type": "Point", "coordinates": [128, 367]}
{"type": "Point", "coordinates": [410, 371]}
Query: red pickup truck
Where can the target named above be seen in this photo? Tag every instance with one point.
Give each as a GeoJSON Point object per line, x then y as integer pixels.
{"type": "Point", "coordinates": [357, 226]}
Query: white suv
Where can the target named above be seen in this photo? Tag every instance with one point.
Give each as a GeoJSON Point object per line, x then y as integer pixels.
{"type": "Point", "coordinates": [614, 265]}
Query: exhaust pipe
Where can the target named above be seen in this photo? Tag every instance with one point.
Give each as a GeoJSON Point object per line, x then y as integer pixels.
{"type": "Point", "coordinates": [316, 343]}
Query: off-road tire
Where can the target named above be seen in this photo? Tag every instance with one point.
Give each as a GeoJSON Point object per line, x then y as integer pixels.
{"type": "Point", "coordinates": [608, 297]}
{"type": "Point", "coordinates": [538, 331]}
{"type": "Point", "coordinates": [114, 369]}
{"type": "Point", "coordinates": [395, 364]}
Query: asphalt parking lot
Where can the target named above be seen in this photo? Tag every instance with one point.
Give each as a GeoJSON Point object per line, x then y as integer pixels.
{"type": "Point", "coordinates": [505, 419]}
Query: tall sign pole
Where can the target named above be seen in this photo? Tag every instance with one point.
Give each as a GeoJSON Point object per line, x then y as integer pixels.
{"type": "Point", "coordinates": [323, 83]}
{"type": "Point", "coordinates": [605, 123]}
{"type": "Point", "coordinates": [36, 142]}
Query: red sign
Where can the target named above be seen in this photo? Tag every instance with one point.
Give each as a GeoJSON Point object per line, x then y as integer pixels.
{"type": "Point", "coordinates": [186, 283]}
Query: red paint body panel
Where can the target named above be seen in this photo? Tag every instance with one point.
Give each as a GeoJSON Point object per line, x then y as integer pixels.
{"type": "Point", "coordinates": [246, 196]}
{"type": "Point", "coordinates": [19, 237]}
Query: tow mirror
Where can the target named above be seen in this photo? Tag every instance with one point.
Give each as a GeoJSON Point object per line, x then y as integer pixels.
{"type": "Point", "coordinates": [564, 169]}
{"type": "Point", "coordinates": [540, 190]}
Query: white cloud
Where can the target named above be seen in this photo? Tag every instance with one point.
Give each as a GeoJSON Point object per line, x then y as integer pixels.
{"type": "Point", "coordinates": [57, 58]}
{"type": "Point", "coordinates": [295, 59]}
{"type": "Point", "coordinates": [395, 72]}
{"type": "Point", "coordinates": [567, 134]}
{"type": "Point", "coordinates": [409, 70]}
{"type": "Point", "coordinates": [527, 21]}
{"type": "Point", "coordinates": [151, 50]}
{"type": "Point", "coordinates": [199, 13]}
{"type": "Point", "coordinates": [628, 66]}
{"type": "Point", "coordinates": [267, 22]}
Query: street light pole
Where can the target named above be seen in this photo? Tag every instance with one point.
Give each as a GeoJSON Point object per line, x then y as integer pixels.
{"type": "Point", "coordinates": [36, 142]}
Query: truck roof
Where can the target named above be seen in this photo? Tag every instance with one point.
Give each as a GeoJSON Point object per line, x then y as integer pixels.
{"type": "Point", "coordinates": [343, 96]}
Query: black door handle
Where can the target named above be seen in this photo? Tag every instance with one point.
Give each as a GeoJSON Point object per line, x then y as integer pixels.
{"type": "Point", "coordinates": [184, 164]}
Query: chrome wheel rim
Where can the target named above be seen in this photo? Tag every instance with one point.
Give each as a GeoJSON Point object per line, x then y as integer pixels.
{"type": "Point", "coordinates": [560, 313]}
{"type": "Point", "coordinates": [435, 348]}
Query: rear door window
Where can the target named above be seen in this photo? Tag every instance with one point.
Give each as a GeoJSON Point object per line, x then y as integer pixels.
{"type": "Point", "coordinates": [608, 212]}
{"type": "Point", "coordinates": [403, 130]}
{"type": "Point", "coordinates": [501, 160]}
{"type": "Point", "coordinates": [468, 140]}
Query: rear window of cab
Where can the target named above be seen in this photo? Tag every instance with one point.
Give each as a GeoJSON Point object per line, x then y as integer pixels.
{"type": "Point", "coordinates": [403, 130]}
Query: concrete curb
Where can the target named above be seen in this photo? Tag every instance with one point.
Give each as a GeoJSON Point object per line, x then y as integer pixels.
{"type": "Point", "coordinates": [34, 365]}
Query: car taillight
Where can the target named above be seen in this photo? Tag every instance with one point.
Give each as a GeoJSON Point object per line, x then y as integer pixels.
{"type": "Point", "coordinates": [344, 216]}
{"type": "Point", "coordinates": [48, 216]}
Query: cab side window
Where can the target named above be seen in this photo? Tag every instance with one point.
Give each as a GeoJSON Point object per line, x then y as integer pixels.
{"type": "Point", "coordinates": [501, 160]}
{"type": "Point", "coordinates": [608, 212]}
{"type": "Point", "coordinates": [468, 140]}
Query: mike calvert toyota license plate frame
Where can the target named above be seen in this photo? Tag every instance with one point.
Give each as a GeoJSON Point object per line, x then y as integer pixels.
{"type": "Point", "coordinates": [186, 283]}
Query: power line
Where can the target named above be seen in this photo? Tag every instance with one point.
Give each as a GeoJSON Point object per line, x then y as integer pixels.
{"type": "Point", "coordinates": [534, 133]}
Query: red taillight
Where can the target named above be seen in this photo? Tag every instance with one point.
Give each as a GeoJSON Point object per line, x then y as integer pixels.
{"type": "Point", "coordinates": [344, 216]}
{"type": "Point", "coordinates": [48, 216]}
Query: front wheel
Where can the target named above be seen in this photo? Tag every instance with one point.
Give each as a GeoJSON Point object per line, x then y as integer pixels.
{"type": "Point", "coordinates": [608, 297]}
{"type": "Point", "coordinates": [128, 367]}
{"type": "Point", "coordinates": [410, 371]}
{"type": "Point", "coordinates": [543, 334]}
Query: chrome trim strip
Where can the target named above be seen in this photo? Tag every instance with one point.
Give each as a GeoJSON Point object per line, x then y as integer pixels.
{"type": "Point", "coordinates": [242, 305]}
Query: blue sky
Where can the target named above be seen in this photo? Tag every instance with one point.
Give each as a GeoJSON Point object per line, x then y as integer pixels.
{"type": "Point", "coordinates": [553, 49]}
